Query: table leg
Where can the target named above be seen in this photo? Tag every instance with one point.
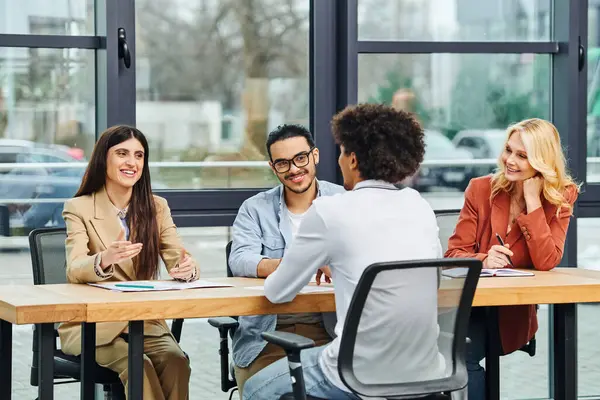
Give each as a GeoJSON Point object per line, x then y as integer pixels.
{"type": "Point", "coordinates": [47, 342]}
{"type": "Point", "coordinates": [565, 351]}
{"type": "Point", "coordinates": [492, 356]}
{"type": "Point", "coordinates": [5, 359]}
{"type": "Point", "coordinates": [136, 359]}
{"type": "Point", "coordinates": [88, 360]}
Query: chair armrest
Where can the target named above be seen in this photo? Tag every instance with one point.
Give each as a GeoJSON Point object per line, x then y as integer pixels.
{"type": "Point", "coordinates": [224, 325]}
{"type": "Point", "coordinates": [290, 342]}
{"type": "Point", "coordinates": [530, 347]}
{"type": "Point", "coordinates": [223, 322]}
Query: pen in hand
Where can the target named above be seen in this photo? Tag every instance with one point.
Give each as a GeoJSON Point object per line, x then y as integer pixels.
{"type": "Point", "coordinates": [502, 244]}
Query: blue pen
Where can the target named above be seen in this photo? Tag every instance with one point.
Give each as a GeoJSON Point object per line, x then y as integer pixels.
{"type": "Point", "coordinates": [134, 286]}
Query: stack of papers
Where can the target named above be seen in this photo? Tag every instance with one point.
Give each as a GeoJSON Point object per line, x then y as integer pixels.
{"type": "Point", "coordinates": [485, 273]}
{"type": "Point", "coordinates": [152, 286]}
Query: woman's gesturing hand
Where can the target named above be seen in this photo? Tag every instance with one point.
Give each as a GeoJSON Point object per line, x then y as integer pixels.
{"type": "Point", "coordinates": [185, 270]}
{"type": "Point", "coordinates": [119, 251]}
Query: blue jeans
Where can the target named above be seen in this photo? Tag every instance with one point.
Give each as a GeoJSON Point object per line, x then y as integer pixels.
{"type": "Point", "coordinates": [476, 353]}
{"type": "Point", "coordinates": [274, 381]}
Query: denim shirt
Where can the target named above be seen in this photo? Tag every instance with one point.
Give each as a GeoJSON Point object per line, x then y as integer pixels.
{"type": "Point", "coordinates": [260, 231]}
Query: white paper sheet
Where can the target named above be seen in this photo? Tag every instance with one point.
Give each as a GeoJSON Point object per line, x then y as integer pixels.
{"type": "Point", "coordinates": [305, 289]}
{"type": "Point", "coordinates": [153, 286]}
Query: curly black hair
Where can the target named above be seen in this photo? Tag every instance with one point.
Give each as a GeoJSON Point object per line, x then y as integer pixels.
{"type": "Point", "coordinates": [389, 144]}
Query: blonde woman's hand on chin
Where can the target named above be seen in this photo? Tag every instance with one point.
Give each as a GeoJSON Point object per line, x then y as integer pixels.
{"type": "Point", "coordinates": [497, 257]}
{"type": "Point", "coordinates": [532, 190]}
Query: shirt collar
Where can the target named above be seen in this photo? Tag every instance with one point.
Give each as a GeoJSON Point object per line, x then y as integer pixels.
{"type": "Point", "coordinates": [374, 183]}
{"type": "Point", "coordinates": [121, 213]}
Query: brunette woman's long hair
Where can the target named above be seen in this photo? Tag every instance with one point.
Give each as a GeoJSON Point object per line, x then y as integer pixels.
{"type": "Point", "coordinates": [141, 213]}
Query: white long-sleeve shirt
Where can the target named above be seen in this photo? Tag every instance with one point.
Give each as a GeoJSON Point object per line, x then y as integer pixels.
{"type": "Point", "coordinates": [375, 222]}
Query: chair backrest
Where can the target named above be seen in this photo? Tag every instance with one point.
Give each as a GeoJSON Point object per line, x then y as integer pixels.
{"type": "Point", "coordinates": [446, 220]}
{"type": "Point", "coordinates": [48, 257]}
{"type": "Point", "coordinates": [48, 260]}
{"type": "Point", "coordinates": [420, 343]}
{"type": "Point", "coordinates": [227, 253]}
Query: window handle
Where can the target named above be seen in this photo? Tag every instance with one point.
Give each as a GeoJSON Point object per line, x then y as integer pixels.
{"type": "Point", "coordinates": [581, 55]}
{"type": "Point", "coordinates": [124, 48]}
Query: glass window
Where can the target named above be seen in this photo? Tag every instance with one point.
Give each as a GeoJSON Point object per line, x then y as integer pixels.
{"type": "Point", "coordinates": [213, 79]}
{"type": "Point", "coordinates": [47, 116]}
{"type": "Point", "coordinates": [459, 20]}
{"type": "Point", "coordinates": [593, 99]}
{"type": "Point", "coordinates": [588, 253]}
{"type": "Point", "coordinates": [457, 96]}
{"type": "Point", "coordinates": [43, 17]}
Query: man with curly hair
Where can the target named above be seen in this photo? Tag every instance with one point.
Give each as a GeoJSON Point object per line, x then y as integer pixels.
{"type": "Point", "coordinates": [374, 221]}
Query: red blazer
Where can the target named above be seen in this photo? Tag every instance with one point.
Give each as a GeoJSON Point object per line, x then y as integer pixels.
{"type": "Point", "coordinates": [537, 241]}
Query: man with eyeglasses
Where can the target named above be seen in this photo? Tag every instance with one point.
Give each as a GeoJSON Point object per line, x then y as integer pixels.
{"type": "Point", "coordinates": [265, 226]}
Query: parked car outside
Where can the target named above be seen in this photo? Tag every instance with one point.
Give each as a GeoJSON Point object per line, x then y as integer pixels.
{"type": "Point", "coordinates": [439, 148]}
{"type": "Point", "coordinates": [482, 144]}
{"type": "Point", "coordinates": [45, 182]}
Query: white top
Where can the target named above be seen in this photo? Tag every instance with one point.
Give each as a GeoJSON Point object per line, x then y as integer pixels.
{"type": "Point", "coordinates": [297, 318]}
{"type": "Point", "coordinates": [350, 231]}
{"type": "Point", "coordinates": [295, 220]}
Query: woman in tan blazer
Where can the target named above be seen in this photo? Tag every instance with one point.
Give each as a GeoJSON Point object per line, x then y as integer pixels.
{"type": "Point", "coordinates": [528, 202]}
{"type": "Point", "coordinates": [116, 231]}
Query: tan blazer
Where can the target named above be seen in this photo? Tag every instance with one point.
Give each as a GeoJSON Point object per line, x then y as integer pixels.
{"type": "Point", "coordinates": [92, 225]}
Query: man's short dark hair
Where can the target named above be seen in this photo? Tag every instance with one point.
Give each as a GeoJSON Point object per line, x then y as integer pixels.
{"type": "Point", "coordinates": [288, 131]}
{"type": "Point", "coordinates": [389, 144]}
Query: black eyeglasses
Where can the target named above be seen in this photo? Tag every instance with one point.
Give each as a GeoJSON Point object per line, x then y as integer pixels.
{"type": "Point", "coordinates": [300, 160]}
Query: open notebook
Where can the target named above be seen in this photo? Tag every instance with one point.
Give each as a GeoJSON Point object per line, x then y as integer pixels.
{"type": "Point", "coordinates": [462, 272]}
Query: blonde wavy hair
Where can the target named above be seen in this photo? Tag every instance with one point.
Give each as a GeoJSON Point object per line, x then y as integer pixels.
{"type": "Point", "coordinates": [545, 154]}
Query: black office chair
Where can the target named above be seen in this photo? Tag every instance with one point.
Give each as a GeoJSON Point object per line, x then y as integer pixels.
{"type": "Point", "coordinates": [361, 369]}
{"type": "Point", "coordinates": [226, 326]}
{"type": "Point", "coordinates": [447, 220]}
{"type": "Point", "coordinates": [48, 259]}
{"type": "Point", "coordinates": [47, 247]}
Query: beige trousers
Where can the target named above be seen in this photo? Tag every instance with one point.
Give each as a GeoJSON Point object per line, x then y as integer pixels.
{"type": "Point", "coordinates": [272, 353]}
{"type": "Point", "coordinates": [166, 368]}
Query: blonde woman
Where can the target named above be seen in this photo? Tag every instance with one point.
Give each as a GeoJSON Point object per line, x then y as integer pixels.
{"type": "Point", "coordinates": [528, 202]}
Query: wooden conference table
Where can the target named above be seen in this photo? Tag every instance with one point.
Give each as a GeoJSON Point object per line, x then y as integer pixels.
{"type": "Point", "coordinates": [48, 304]}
